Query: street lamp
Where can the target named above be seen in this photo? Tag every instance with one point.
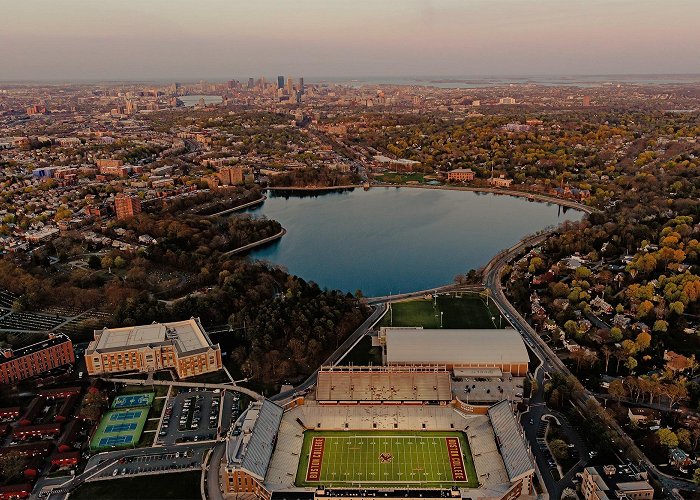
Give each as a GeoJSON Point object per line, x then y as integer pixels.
{"type": "Point", "coordinates": [441, 313]}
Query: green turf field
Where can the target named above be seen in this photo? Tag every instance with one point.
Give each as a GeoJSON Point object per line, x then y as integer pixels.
{"type": "Point", "coordinates": [119, 429]}
{"type": "Point", "coordinates": [468, 311]}
{"type": "Point", "coordinates": [386, 458]}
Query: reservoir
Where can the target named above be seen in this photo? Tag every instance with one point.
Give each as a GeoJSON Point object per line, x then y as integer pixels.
{"type": "Point", "coordinates": [394, 240]}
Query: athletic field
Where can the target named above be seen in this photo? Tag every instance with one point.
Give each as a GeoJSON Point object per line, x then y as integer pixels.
{"type": "Point", "coordinates": [133, 400]}
{"type": "Point", "coordinates": [470, 310]}
{"type": "Point", "coordinates": [386, 458]}
{"type": "Point", "coordinates": [119, 428]}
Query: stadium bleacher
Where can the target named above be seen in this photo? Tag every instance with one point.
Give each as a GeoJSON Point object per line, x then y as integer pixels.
{"type": "Point", "coordinates": [383, 384]}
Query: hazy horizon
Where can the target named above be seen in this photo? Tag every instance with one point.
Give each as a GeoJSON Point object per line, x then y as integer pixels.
{"type": "Point", "coordinates": [82, 40]}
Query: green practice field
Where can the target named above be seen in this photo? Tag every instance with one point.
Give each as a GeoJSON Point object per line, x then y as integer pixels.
{"type": "Point", "coordinates": [119, 428]}
{"type": "Point", "coordinates": [468, 311]}
{"type": "Point", "coordinates": [386, 458]}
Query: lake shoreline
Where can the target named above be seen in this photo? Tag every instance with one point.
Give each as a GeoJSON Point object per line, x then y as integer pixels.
{"type": "Point", "coordinates": [538, 197]}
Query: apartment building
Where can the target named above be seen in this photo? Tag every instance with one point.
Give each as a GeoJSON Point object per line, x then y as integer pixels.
{"type": "Point", "coordinates": [23, 363]}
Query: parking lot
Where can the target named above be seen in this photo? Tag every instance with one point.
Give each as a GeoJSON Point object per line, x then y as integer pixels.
{"type": "Point", "coordinates": [192, 415]}
{"type": "Point", "coordinates": [159, 462]}
{"type": "Point", "coordinates": [544, 449]}
{"type": "Point", "coordinates": [487, 390]}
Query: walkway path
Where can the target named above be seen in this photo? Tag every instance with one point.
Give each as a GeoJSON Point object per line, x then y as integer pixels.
{"type": "Point", "coordinates": [239, 207]}
{"type": "Point", "coordinates": [256, 244]}
{"type": "Point", "coordinates": [228, 387]}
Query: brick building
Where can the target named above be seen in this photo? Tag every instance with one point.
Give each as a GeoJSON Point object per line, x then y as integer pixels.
{"type": "Point", "coordinates": [460, 175]}
{"type": "Point", "coordinates": [23, 363]}
{"type": "Point", "coordinates": [127, 206]}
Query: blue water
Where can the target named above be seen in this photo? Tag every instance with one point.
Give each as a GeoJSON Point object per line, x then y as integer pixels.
{"type": "Point", "coordinates": [390, 240]}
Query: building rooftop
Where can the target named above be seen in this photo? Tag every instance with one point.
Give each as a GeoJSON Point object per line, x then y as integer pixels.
{"type": "Point", "coordinates": [621, 478]}
{"type": "Point", "coordinates": [187, 336]}
{"type": "Point", "coordinates": [444, 346]}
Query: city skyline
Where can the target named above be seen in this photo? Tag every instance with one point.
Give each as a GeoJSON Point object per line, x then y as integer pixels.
{"type": "Point", "coordinates": [77, 40]}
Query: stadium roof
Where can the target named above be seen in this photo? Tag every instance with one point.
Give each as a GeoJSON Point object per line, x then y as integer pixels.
{"type": "Point", "coordinates": [511, 443]}
{"type": "Point", "coordinates": [444, 346]}
{"type": "Point", "coordinates": [259, 450]}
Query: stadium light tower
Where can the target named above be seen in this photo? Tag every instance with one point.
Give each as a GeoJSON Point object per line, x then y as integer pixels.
{"type": "Point", "coordinates": [441, 313]}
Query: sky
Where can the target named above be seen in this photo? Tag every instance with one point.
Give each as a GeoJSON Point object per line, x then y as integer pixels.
{"type": "Point", "coordinates": [75, 40]}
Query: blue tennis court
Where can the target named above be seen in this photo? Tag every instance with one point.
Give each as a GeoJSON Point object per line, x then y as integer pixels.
{"type": "Point", "coordinates": [120, 427]}
{"type": "Point", "coordinates": [126, 415]}
{"type": "Point", "coordinates": [115, 441]}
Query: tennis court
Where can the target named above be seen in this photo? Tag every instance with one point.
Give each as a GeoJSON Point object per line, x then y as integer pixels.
{"type": "Point", "coordinates": [120, 428]}
{"type": "Point", "coordinates": [125, 432]}
{"type": "Point", "coordinates": [126, 415]}
{"type": "Point", "coordinates": [133, 400]}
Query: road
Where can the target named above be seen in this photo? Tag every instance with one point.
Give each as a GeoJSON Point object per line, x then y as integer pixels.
{"type": "Point", "coordinates": [349, 342]}
{"type": "Point", "coordinates": [552, 363]}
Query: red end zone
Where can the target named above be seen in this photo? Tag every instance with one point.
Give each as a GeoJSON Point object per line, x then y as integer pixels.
{"type": "Point", "coordinates": [455, 452]}
{"type": "Point", "coordinates": [313, 473]}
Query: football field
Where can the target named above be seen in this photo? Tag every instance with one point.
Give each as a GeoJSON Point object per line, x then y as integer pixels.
{"type": "Point", "coordinates": [386, 458]}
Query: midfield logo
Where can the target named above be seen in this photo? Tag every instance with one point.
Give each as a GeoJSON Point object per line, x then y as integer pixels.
{"type": "Point", "coordinates": [385, 458]}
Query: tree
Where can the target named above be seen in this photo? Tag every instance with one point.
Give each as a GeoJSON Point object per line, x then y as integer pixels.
{"type": "Point", "coordinates": [617, 389]}
{"type": "Point", "coordinates": [643, 341]}
{"type": "Point", "coordinates": [583, 272]}
{"type": "Point", "coordinates": [684, 439]}
{"type": "Point", "coordinates": [677, 307]}
{"type": "Point", "coordinates": [94, 262]}
{"type": "Point", "coordinates": [11, 465]}
{"type": "Point", "coordinates": [667, 438]}
{"type": "Point", "coordinates": [607, 354]}
{"type": "Point", "coordinates": [631, 363]}
{"type": "Point", "coordinates": [559, 449]}
{"type": "Point", "coordinates": [660, 325]}
{"type": "Point", "coordinates": [696, 476]}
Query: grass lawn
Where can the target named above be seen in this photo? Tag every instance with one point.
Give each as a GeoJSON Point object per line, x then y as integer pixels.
{"type": "Point", "coordinates": [401, 178]}
{"type": "Point", "coordinates": [160, 390]}
{"type": "Point", "coordinates": [364, 354]}
{"type": "Point", "coordinates": [386, 458]}
{"type": "Point", "coordinates": [178, 486]}
{"type": "Point", "coordinates": [467, 311]}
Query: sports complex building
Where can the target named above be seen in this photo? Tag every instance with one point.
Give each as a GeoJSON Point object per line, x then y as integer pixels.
{"type": "Point", "coordinates": [182, 346]}
{"type": "Point", "coordinates": [466, 352]}
{"type": "Point", "coordinates": [380, 431]}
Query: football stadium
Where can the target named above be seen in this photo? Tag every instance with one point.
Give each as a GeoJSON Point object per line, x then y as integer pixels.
{"type": "Point", "coordinates": [379, 431]}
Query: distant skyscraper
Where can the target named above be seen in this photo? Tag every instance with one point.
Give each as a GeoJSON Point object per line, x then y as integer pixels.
{"type": "Point", "coordinates": [290, 85]}
{"type": "Point", "coordinates": [251, 83]}
{"type": "Point", "coordinates": [280, 82]}
{"type": "Point", "coordinates": [301, 84]}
